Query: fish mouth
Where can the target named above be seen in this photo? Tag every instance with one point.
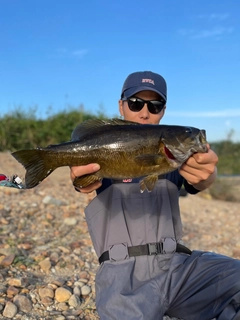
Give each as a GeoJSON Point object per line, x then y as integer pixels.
{"type": "Point", "coordinates": [169, 154]}
{"type": "Point", "coordinates": [171, 158]}
{"type": "Point", "coordinates": [180, 154]}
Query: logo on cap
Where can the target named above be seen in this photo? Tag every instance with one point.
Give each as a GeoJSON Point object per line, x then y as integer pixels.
{"type": "Point", "coordinates": [148, 81]}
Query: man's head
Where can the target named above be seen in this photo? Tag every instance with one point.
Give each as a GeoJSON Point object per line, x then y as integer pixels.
{"type": "Point", "coordinates": [143, 97]}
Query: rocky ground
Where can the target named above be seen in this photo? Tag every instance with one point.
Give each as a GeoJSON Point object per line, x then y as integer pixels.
{"type": "Point", "coordinates": [47, 263]}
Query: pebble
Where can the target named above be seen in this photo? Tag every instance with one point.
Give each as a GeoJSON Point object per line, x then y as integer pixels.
{"type": "Point", "coordinates": [63, 306]}
{"type": "Point", "coordinates": [3, 289]}
{"type": "Point", "coordinates": [8, 260]}
{"type": "Point", "coordinates": [12, 291]}
{"type": "Point", "coordinates": [46, 292]}
{"type": "Point", "coordinates": [45, 265]}
{"type": "Point", "coordinates": [70, 221]}
{"type": "Point", "coordinates": [46, 301]}
{"type": "Point", "coordinates": [62, 294]}
{"type": "Point", "coordinates": [85, 290]}
{"type": "Point", "coordinates": [74, 301]}
{"type": "Point", "coordinates": [77, 291]}
{"type": "Point", "coordinates": [10, 310]}
{"type": "Point", "coordinates": [52, 200]}
{"type": "Point", "coordinates": [54, 257]}
{"type": "Point", "coordinates": [23, 303]}
{"type": "Point", "coordinates": [16, 282]}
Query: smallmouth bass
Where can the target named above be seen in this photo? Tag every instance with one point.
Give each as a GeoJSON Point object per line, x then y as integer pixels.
{"type": "Point", "coordinates": [123, 149]}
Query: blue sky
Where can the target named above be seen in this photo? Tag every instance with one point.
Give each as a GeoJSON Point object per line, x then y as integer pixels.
{"type": "Point", "coordinates": [66, 53]}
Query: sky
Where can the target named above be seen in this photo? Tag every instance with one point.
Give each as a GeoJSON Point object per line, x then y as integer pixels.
{"type": "Point", "coordinates": [57, 54]}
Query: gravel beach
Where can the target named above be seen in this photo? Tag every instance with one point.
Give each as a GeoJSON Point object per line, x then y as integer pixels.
{"type": "Point", "coordinates": [47, 262]}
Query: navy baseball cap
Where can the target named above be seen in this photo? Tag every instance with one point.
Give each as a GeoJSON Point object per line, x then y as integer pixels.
{"type": "Point", "coordinates": [144, 80]}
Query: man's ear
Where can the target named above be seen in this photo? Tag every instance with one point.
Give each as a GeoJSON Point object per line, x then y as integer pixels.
{"type": "Point", "coordinates": [164, 109]}
{"type": "Point", "coordinates": [120, 106]}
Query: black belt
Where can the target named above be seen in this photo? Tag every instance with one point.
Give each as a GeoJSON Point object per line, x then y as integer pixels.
{"type": "Point", "coordinates": [146, 249]}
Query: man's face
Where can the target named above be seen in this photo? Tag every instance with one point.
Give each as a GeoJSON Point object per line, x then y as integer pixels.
{"type": "Point", "coordinates": [143, 116]}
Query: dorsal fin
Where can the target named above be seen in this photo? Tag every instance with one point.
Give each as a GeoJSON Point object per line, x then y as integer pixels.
{"type": "Point", "coordinates": [88, 126]}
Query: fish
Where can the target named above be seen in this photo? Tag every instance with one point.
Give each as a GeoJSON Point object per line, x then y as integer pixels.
{"type": "Point", "coordinates": [123, 149]}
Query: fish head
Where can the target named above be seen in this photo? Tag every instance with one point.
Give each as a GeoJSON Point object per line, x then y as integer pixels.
{"type": "Point", "coordinates": [180, 142]}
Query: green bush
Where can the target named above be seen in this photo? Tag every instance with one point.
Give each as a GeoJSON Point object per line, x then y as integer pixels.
{"type": "Point", "coordinates": [23, 130]}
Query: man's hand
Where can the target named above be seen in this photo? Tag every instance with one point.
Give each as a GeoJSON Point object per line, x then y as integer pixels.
{"type": "Point", "coordinates": [81, 171]}
{"type": "Point", "coordinates": [200, 169]}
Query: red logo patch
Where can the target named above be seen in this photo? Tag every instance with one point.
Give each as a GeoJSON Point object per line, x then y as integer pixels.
{"type": "Point", "coordinates": [148, 81]}
{"type": "Point", "coordinates": [127, 180]}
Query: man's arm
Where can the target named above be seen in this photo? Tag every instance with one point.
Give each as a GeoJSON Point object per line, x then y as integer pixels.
{"type": "Point", "coordinates": [200, 169]}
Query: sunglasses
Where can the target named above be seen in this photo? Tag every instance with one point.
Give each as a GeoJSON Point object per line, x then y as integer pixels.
{"type": "Point", "coordinates": [136, 104]}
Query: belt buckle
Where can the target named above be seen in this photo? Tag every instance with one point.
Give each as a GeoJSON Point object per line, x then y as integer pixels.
{"type": "Point", "coordinates": [155, 248]}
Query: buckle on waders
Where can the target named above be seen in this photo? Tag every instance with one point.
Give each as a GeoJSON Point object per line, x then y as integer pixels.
{"type": "Point", "coordinates": [155, 248]}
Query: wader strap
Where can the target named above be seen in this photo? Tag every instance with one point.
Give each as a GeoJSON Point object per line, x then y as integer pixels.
{"type": "Point", "coordinates": [141, 250]}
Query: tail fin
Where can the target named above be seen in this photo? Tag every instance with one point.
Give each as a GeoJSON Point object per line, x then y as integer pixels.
{"type": "Point", "coordinates": [36, 163]}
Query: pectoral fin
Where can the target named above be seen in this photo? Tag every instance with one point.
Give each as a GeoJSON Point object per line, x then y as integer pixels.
{"type": "Point", "coordinates": [148, 183]}
{"type": "Point", "coordinates": [86, 180]}
{"type": "Point", "coordinates": [149, 159]}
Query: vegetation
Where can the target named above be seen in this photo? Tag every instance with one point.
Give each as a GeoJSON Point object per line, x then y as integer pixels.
{"type": "Point", "coordinates": [20, 129]}
{"type": "Point", "coordinates": [229, 157]}
{"type": "Point", "coordinates": [226, 189]}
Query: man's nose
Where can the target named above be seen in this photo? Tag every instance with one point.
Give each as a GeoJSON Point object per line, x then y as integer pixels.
{"type": "Point", "coordinates": [144, 112]}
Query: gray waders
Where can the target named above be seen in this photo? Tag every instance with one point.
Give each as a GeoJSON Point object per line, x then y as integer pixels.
{"type": "Point", "coordinates": [152, 279]}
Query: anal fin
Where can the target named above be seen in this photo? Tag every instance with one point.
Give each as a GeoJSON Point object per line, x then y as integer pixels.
{"type": "Point", "coordinates": [86, 180]}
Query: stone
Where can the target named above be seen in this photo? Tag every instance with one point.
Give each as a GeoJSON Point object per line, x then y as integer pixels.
{"type": "Point", "coordinates": [83, 275]}
{"type": "Point", "coordinates": [77, 291]}
{"type": "Point", "coordinates": [46, 292]}
{"type": "Point", "coordinates": [62, 294]}
{"type": "Point", "coordinates": [16, 282]}
{"type": "Point", "coordinates": [3, 289]}
{"type": "Point", "coordinates": [85, 290]}
{"type": "Point", "coordinates": [63, 306]}
{"type": "Point", "coordinates": [52, 286]}
{"type": "Point", "coordinates": [54, 257]}
{"type": "Point", "coordinates": [12, 291]}
{"type": "Point", "coordinates": [23, 303]}
{"type": "Point", "coordinates": [71, 313]}
{"type": "Point", "coordinates": [52, 200]}
{"type": "Point", "coordinates": [74, 301]}
{"type": "Point", "coordinates": [8, 260]}
{"type": "Point", "coordinates": [46, 301]}
{"type": "Point", "coordinates": [70, 221]}
{"type": "Point", "coordinates": [10, 310]}
{"type": "Point", "coordinates": [45, 265]}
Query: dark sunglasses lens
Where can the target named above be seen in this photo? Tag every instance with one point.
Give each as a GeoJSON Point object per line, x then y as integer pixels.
{"type": "Point", "coordinates": [135, 106]}
{"type": "Point", "coordinates": [155, 107]}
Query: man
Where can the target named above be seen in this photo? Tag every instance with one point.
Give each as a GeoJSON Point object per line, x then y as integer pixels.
{"type": "Point", "coordinates": [145, 272]}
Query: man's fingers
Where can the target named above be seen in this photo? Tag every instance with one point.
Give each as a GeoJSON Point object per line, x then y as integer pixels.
{"type": "Point", "coordinates": [89, 188]}
{"type": "Point", "coordinates": [78, 171]}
